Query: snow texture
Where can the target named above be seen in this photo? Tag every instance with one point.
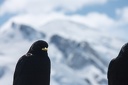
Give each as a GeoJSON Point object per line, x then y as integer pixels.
{"type": "Point", "coordinates": [79, 55]}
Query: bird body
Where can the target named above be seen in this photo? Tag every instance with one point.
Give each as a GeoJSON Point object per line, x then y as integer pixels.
{"type": "Point", "coordinates": [34, 67]}
{"type": "Point", "coordinates": [118, 68]}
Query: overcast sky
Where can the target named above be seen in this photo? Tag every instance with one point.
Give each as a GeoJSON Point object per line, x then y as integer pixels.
{"type": "Point", "coordinates": [94, 13]}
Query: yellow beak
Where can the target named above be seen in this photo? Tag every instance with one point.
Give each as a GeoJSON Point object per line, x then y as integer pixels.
{"type": "Point", "coordinates": [45, 49]}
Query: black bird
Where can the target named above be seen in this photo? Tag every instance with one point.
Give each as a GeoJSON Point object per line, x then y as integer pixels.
{"type": "Point", "coordinates": [33, 68]}
{"type": "Point", "coordinates": [118, 68]}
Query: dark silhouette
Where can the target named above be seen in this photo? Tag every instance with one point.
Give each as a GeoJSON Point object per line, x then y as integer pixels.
{"type": "Point", "coordinates": [34, 67]}
{"type": "Point", "coordinates": [118, 68]}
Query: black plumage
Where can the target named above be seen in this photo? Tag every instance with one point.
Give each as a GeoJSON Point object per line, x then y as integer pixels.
{"type": "Point", "coordinates": [118, 68]}
{"type": "Point", "coordinates": [34, 67]}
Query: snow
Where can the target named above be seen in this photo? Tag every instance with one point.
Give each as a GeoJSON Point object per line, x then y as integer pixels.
{"type": "Point", "coordinates": [75, 37]}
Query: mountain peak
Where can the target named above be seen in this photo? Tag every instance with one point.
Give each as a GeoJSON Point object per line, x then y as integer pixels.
{"type": "Point", "coordinates": [21, 31]}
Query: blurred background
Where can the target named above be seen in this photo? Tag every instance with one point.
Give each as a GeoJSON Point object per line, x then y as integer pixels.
{"type": "Point", "coordinates": [83, 36]}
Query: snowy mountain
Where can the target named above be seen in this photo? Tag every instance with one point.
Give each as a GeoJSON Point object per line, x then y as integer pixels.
{"type": "Point", "coordinates": [80, 55]}
{"type": "Point", "coordinates": [20, 32]}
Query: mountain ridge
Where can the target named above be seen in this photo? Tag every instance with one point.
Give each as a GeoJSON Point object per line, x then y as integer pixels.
{"type": "Point", "coordinates": [80, 51]}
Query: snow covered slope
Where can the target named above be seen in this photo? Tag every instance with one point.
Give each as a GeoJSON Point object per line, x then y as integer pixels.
{"type": "Point", "coordinates": [79, 54]}
{"type": "Point", "coordinates": [19, 33]}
